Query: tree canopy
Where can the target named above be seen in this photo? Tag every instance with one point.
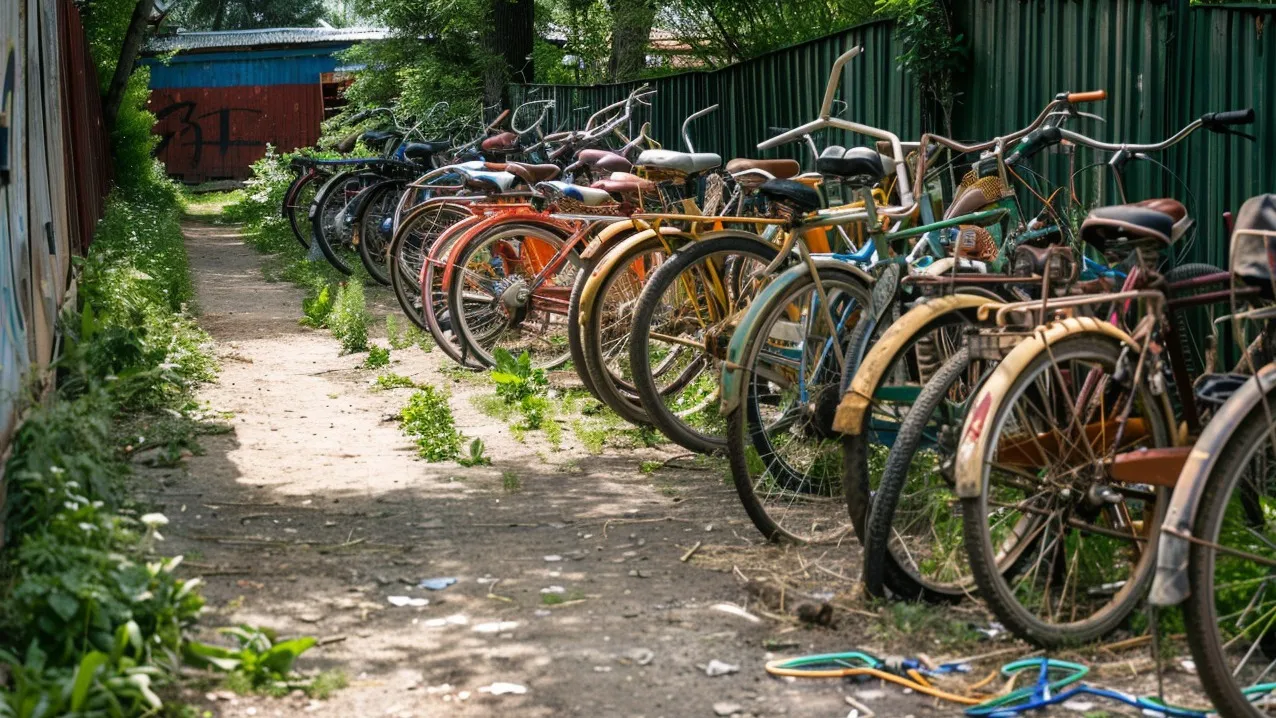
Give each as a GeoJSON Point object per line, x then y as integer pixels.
{"type": "Point", "coordinates": [245, 14]}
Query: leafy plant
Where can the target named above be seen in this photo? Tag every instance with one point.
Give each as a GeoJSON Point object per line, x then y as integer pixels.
{"type": "Point", "coordinates": [377, 358]}
{"type": "Point", "coordinates": [399, 338]}
{"type": "Point", "coordinates": [317, 308]}
{"type": "Point", "coordinates": [476, 457]}
{"type": "Point", "coordinates": [386, 382]}
{"type": "Point", "coordinates": [514, 377]}
{"type": "Point", "coordinates": [933, 53]}
{"type": "Point", "coordinates": [349, 317]}
{"type": "Point", "coordinates": [261, 660]}
{"type": "Point", "coordinates": [428, 420]}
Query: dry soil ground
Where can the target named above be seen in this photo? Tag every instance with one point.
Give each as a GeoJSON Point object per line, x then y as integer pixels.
{"type": "Point", "coordinates": [315, 510]}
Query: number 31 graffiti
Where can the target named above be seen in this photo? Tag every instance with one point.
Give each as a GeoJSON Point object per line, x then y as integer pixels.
{"type": "Point", "coordinates": [192, 125]}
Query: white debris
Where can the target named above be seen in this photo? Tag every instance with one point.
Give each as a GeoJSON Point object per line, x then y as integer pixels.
{"type": "Point", "coordinates": [402, 601]}
{"type": "Point", "coordinates": [735, 610]}
{"type": "Point", "coordinates": [500, 689]}
{"type": "Point", "coordinates": [496, 627]}
{"type": "Point", "coordinates": [719, 668]}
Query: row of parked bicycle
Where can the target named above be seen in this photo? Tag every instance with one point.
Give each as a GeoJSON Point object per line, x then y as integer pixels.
{"type": "Point", "coordinates": [936, 348]}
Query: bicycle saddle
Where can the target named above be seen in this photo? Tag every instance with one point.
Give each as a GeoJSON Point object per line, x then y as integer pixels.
{"type": "Point", "coordinates": [794, 194]}
{"type": "Point", "coordinates": [858, 166]}
{"type": "Point", "coordinates": [420, 152]}
{"type": "Point", "coordinates": [1251, 253]}
{"type": "Point", "coordinates": [503, 142]}
{"type": "Point", "coordinates": [778, 169]}
{"type": "Point", "coordinates": [487, 181]}
{"type": "Point", "coordinates": [604, 160]}
{"type": "Point", "coordinates": [624, 183]}
{"type": "Point", "coordinates": [685, 162]}
{"type": "Point", "coordinates": [588, 196]}
{"type": "Point", "coordinates": [1148, 221]}
{"type": "Point", "coordinates": [531, 174]}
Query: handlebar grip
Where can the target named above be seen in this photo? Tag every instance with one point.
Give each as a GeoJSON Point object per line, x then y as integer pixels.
{"type": "Point", "coordinates": [1234, 117]}
{"type": "Point", "coordinates": [778, 130]}
{"type": "Point", "coordinates": [1091, 96]}
{"type": "Point", "coordinates": [556, 136]}
{"type": "Point", "coordinates": [500, 120]}
{"type": "Point", "coordinates": [358, 117]}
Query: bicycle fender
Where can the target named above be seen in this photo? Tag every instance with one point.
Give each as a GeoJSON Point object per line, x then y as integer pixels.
{"type": "Point", "coordinates": [733, 373]}
{"type": "Point", "coordinates": [973, 445]}
{"type": "Point", "coordinates": [606, 265]}
{"type": "Point", "coordinates": [603, 237]}
{"type": "Point", "coordinates": [855, 402]}
{"type": "Point", "coordinates": [1170, 587]}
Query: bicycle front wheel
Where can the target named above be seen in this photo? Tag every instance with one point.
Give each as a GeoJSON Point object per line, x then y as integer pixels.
{"type": "Point", "coordinates": [680, 332]}
{"type": "Point", "coordinates": [408, 249]}
{"type": "Point", "coordinates": [786, 459]}
{"type": "Point", "coordinates": [1080, 539]}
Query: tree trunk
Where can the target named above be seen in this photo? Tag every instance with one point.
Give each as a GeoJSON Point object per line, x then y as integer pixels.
{"type": "Point", "coordinates": [128, 56]}
{"type": "Point", "coordinates": [219, 19]}
{"type": "Point", "coordinates": [630, 34]}
{"type": "Point", "coordinates": [509, 41]}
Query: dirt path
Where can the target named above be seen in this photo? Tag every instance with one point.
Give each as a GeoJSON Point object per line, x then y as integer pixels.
{"type": "Point", "coordinates": [315, 510]}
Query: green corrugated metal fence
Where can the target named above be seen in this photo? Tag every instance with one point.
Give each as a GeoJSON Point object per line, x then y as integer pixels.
{"type": "Point", "coordinates": [783, 89]}
{"type": "Point", "coordinates": [1163, 64]}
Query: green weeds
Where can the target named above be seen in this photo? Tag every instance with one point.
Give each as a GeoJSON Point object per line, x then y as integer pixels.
{"type": "Point", "coordinates": [511, 482]}
{"type": "Point", "coordinates": [385, 382]}
{"type": "Point", "coordinates": [427, 418]}
{"type": "Point", "coordinates": [378, 357]}
{"type": "Point", "coordinates": [476, 455]}
{"type": "Point", "coordinates": [260, 663]}
{"type": "Point", "coordinates": [349, 318]}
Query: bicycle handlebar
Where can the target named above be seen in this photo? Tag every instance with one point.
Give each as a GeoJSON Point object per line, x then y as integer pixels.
{"type": "Point", "coordinates": [1091, 96]}
{"type": "Point", "coordinates": [686, 136]}
{"type": "Point", "coordinates": [1213, 121]}
{"type": "Point", "coordinates": [500, 120]}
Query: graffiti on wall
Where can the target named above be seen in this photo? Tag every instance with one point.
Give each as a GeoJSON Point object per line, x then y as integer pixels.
{"type": "Point", "coordinates": [214, 133]}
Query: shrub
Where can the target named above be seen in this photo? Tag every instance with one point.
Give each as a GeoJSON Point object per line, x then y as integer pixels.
{"type": "Point", "coordinates": [377, 358]}
{"type": "Point", "coordinates": [428, 420]}
{"type": "Point", "coordinates": [349, 317]}
{"type": "Point", "coordinates": [393, 381]}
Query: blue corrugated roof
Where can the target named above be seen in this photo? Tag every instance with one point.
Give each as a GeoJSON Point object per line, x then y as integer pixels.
{"type": "Point", "coordinates": [272, 37]}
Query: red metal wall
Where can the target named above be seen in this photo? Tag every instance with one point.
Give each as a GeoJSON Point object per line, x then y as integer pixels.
{"type": "Point", "coordinates": [215, 133]}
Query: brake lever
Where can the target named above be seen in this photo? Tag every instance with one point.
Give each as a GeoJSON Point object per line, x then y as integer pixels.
{"type": "Point", "coordinates": [1227, 130]}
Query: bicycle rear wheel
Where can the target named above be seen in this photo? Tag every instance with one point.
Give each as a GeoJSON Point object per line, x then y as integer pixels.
{"type": "Point", "coordinates": [496, 299]}
{"type": "Point", "coordinates": [1063, 417]}
{"type": "Point", "coordinates": [332, 227]}
{"type": "Point", "coordinates": [297, 203]}
{"type": "Point", "coordinates": [1231, 610]}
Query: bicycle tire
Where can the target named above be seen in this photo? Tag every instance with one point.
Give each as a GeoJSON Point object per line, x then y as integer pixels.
{"type": "Point", "coordinates": [856, 478]}
{"type": "Point", "coordinates": [299, 196]}
{"type": "Point", "coordinates": [472, 335]}
{"type": "Point", "coordinates": [614, 391]}
{"type": "Point", "coordinates": [790, 487]}
{"type": "Point", "coordinates": [367, 228]}
{"type": "Point", "coordinates": [405, 278]}
{"type": "Point", "coordinates": [1204, 640]}
{"type": "Point", "coordinates": [883, 570]}
{"type": "Point", "coordinates": [651, 396]}
{"type": "Point", "coordinates": [982, 547]}
{"type": "Point", "coordinates": [434, 307]}
{"type": "Point", "coordinates": [325, 211]}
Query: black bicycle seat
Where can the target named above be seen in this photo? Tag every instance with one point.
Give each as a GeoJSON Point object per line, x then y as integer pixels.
{"type": "Point", "coordinates": [792, 193]}
{"type": "Point", "coordinates": [858, 165]}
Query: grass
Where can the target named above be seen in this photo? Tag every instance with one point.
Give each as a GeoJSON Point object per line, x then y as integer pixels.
{"type": "Point", "coordinates": [427, 418]}
{"type": "Point", "coordinates": [511, 482]}
{"type": "Point", "coordinates": [378, 357]}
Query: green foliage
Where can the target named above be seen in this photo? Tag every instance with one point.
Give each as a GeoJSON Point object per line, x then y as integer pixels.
{"type": "Point", "coordinates": [428, 420]}
{"type": "Point", "coordinates": [94, 615]}
{"type": "Point", "coordinates": [518, 384]}
{"type": "Point", "coordinates": [393, 381]}
{"type": "Point", "coordinates": [260, 658]}
{"type": "Point", "coordinates": [377, 358]}
{"type": "Point", "coordinates": [398, 338]}
{"type": "Point", "coordinates": [349, 317]}
{"type": "Point", "coordinates": [476, 456]}
{"type": "Point", "coordinates": [510, 482]}
{"type": "Point", "coordinates": [933, 52]}
{"type": "Point", "coordinates": [245, 14]}
{"type": "Point", "coordinates": [316, 309]}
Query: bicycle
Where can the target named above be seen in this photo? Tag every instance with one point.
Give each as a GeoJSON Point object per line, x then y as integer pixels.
{"type": "Point", "coordinates": [1071, 445]}
{"type": "Point", "coordinates": [1215, 549]}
